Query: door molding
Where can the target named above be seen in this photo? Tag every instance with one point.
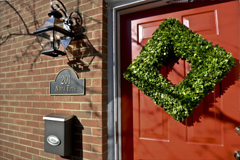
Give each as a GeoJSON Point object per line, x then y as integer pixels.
{"type": "Point", "coordinates": [114, 62]}
{"type": "Point", "coordinates": [115, 11]}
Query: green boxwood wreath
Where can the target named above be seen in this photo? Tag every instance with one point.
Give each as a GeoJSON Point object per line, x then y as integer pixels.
{"type": "Point", "coordinates": [210, 64]}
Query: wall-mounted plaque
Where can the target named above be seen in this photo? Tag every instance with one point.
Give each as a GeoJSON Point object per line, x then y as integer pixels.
{"type": "Point", "coordinates": [67, 83]}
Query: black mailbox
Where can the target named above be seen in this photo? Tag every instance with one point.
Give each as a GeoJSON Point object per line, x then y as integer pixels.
{"type": "Point", "coordinates": [58, 134]}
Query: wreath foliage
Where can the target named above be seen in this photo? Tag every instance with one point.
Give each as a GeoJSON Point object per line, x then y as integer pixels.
{"type": "Point", "coordinates": [210, 64]}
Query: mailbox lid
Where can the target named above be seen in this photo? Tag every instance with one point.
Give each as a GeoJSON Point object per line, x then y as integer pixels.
{"type": "Point", "coordinates": [57, 117]}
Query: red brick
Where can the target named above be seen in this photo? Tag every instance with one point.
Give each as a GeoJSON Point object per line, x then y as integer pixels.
{"type": "Point", "coordinates": [38, 131]}
{"type": "Point", "coordinates": [26, 91]}
{"type": "Point", "coordinates": [20, 110]}
{"type": "Point", "coordinates": [40, 104]}
{"type": "Point", "coordinates": [47, 70]}
{"type": "Point", "coordinates": [51, 77]}
{"type": "Point", "coordinates": [25, 129]}
{"type": "Point", "coordinates": [96, 98]}
{"type": "Point", "coordinates": [20, 147]}
{"type": "Point", "coordinates": [84, 98]}
{"type": "Point", "coordinates": [46, 111]}
{"type": "Point", "coordinates": [40, 65]}
{"type": "Point", "coordinates": [99, 148]}
{"type": "Point", "coordinates": [93, 74]}
{"type": "Point", "coordinates": [8, 109]}
{"type": "Point", "coordinates": [63, 111]}
{"type": "Point", "coordinates": [94, 90]}
{"type": "Point", "coordinates": [88, 155]}
{"type": "Point", "coordinates": [44, 84]}
{"type": "Point", "coordinates": [15, 104]}
{"type": "Point", "coordinates": [32, 124]}
{"type": "Point", "coordinates": [26, 116]}
{"type": "Point", "coordinates": [91, 106]}
{"type": "Point", "coordinates": [62, 98]}
{"type": "Point", "coordinates": [20, 134]}
{"type": "Point", "coordinates": [91, 123]}
{"type": "Point", "coordinates": [55, 62]}
{"type": "Point", "coordinates": [3, 148]}
{"type": "Point", "coordinates": [97, 82]}
{"type": "Point", "coordinates": [46, 98]}
{"type": "Point", "coordinates": [13, 115]}
{"type": "Point", "coordinates": [26, 155]}
{"type": "Point", "coordinates": [32, 137]}
{"type": "Point", "coordinates": [25, 104]}
{"type": "Point", "coordinates": [25, 78]}
{"type": "Point", "coordinates": [35, 157]}
{"type": "Point", "coordinates": [16, 79]}
{"type": "Point", "coordinates": [8, 132]}
{"type": "Point", "coordinates": [20, 122]}
{"type": "Point", "coordinates": [37, 118]}
{"type": "Point", "coordinates": [93, 12]}
{"type": "Point", "coordinates": [32, 111]}
{"type": "Point", "coordinates": [82, 114]}
{"type": "Point", "coordinates": [21, 85]}
{"type": "Point", "coordinates": [34, 72]}
{"type": "Point", "coordinates": [4, 92]}
{"type": "Point", "coordinates": [21, 98]}
{"type": "Point", "coordinates": [33, 150]}
{"type": "Point", "coordinates": [99, 115]}
{"type": "Point", "coordinates": [54, 105]}
{"type": "Point", "coordinates": [9, 120]}
{"type": "Point", "coordinates": [39, 91]}
{"type": "Point", "coordinates": [4, 125]}
{"type": "Point", "coordinates": [8, 156]}
{"type": "Point", "coordinates": [45, 154]}
{"type": "Point", "coordinates": [8, 144]}
{"type": "Point", "coordinates": [33, 97]}
{"type": "Point", "coordinates": [25, 142]}
{"type": "Point", "coordinates": [9, 97]}
{"type": "Point", "coordinates": [13, 151]}
{"type": "Point", "coordinates": [39, 78]}
{"type": "Point", "coordinates": [33, 85]}
{"type": "Point", "coordinates": [38, 145]}
{"type": "Point", "coordinates": [71, 106]}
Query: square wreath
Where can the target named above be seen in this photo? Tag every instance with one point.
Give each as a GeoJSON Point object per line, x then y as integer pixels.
{"type": "Point", "coordinates": [210, 64]}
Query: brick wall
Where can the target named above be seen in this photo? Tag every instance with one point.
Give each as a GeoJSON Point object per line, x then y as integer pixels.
{"type": "Point", "coordinates": [25, 75]}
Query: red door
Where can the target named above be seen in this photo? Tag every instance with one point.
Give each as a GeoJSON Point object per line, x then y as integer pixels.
{"type": "Point", "coordinates": [148, 132]}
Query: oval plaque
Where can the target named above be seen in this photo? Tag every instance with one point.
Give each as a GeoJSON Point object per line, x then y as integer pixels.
{"type": "Point", "coordinates": [53, 140]}
{"type": "Point", "coordinates": [67, 82]}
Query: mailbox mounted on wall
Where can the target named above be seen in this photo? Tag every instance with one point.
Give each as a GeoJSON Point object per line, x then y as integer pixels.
{"type": "Point", "coordinates": [58, 134]}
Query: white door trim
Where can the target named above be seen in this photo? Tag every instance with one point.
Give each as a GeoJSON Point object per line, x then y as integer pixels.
{"type": "Point", "coordinates": [114, 62]}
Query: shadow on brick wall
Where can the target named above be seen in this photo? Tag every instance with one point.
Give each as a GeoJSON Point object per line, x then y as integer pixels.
{"type": "Point", "coordinates": [80, 52]}
{"type": "Point", "coordinates": [77, 153]}
{"type": "Point", "coordinates": [12, 33]}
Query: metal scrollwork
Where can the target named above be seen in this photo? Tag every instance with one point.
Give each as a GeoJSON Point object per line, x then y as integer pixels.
{"type": "Point", "coordinates": [68, 20]}
{"type": "Point", "coordinates": [57, 7]}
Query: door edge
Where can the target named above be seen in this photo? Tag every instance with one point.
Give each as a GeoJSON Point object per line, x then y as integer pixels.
{"type": "Point", "coordinates": [114, 66]}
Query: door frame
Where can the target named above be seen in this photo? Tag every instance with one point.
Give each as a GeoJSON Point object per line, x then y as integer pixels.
{"type": "Point", "coordinates": [114, 66]}
{"type": "Point", "coordinates": [115, 10]}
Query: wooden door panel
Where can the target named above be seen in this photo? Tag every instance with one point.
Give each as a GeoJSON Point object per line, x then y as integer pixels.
{"type": "Point", "coordinates": [149, 113]}
{"type": "Point", "coordinates": [209, 132]}
{"type": "Point", "coordinates": [205, 23]}
{"type": "Point", "coordinates": [145, 31]}
{"type": "Point", "coordinates": [205, 126]}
